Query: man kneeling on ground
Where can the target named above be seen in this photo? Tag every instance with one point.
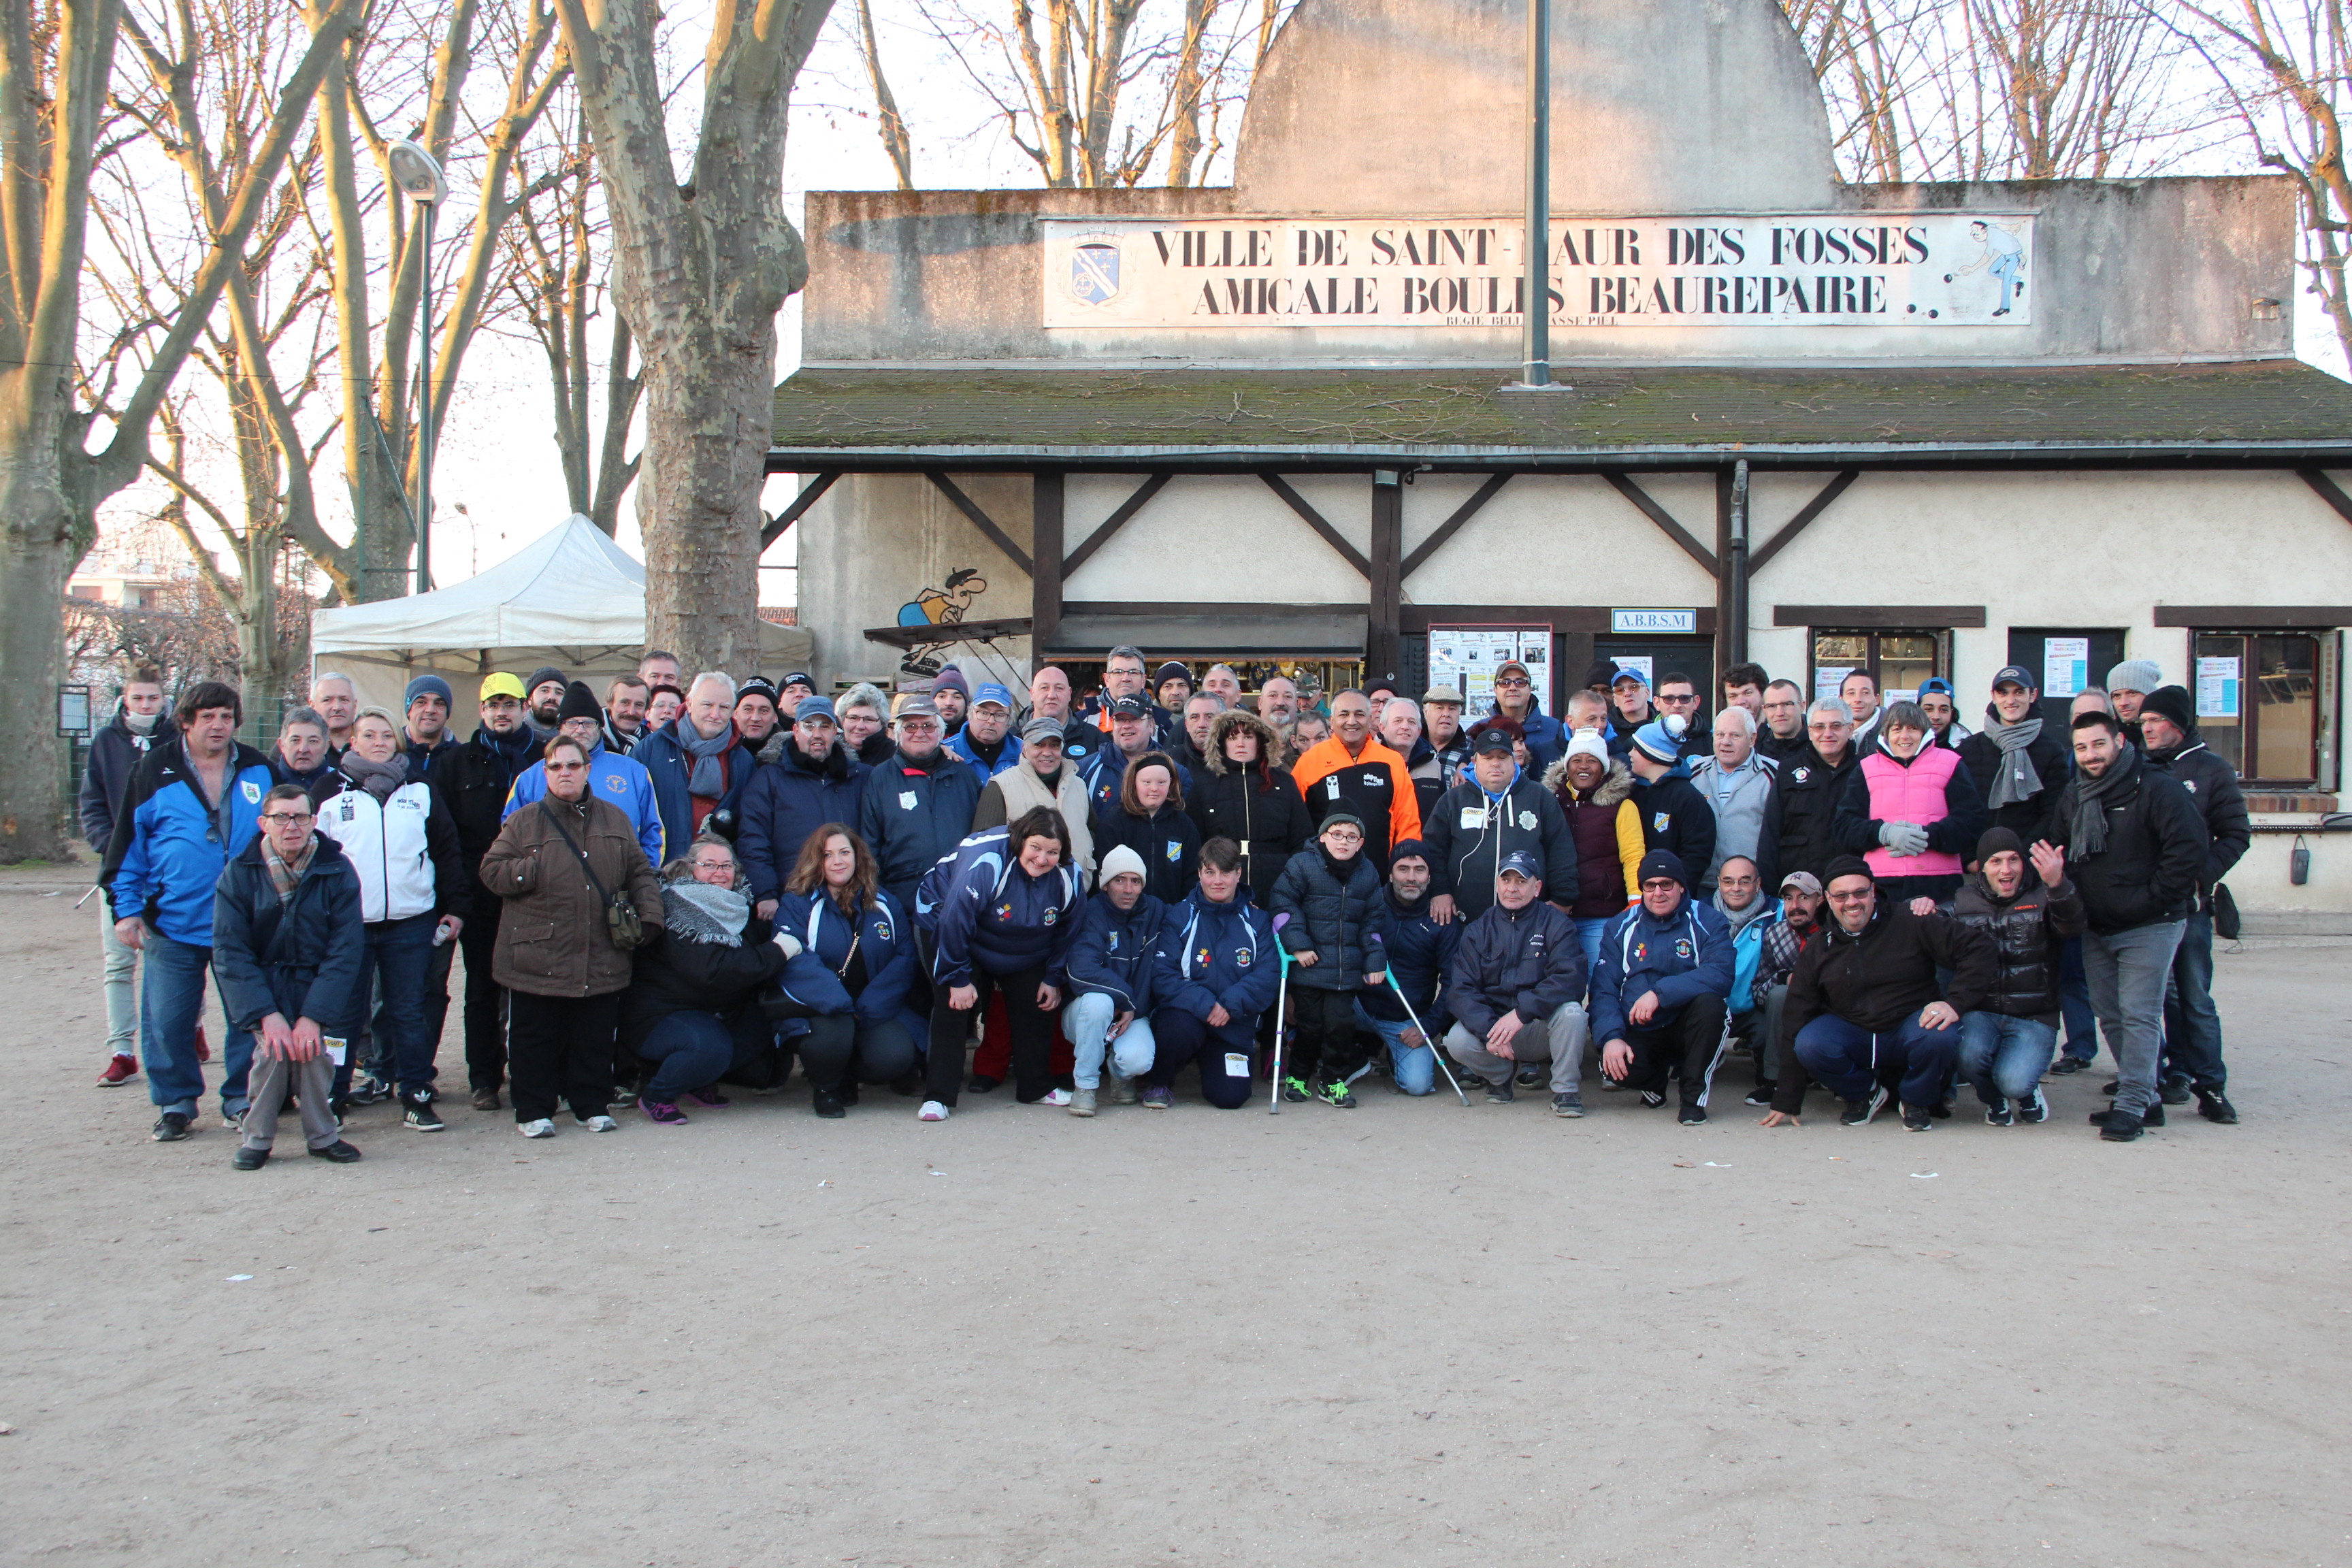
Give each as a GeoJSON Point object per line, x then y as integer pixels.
{"type": "Point", "coordinates": [1863, 1009]}
{"type": "Point", "coordinates": [1519, 965]}
{"type": "Point", "coordinates": [1658, 992]}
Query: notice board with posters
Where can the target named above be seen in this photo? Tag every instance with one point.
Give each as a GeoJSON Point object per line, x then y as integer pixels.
{"type": "Point", "coordinates": [1465, 658]}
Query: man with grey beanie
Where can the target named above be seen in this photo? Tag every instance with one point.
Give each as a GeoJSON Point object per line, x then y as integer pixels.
{"type": "Point", "coordinates": [2128, 684]}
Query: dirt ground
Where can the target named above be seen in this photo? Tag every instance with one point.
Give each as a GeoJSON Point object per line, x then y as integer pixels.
{"type": "Point", "coordinates": [1410, 1333]}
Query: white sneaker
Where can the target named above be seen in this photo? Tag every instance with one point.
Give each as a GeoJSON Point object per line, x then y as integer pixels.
{"type": "Point", "coordinates": [932, 1111]}
{"type": "Point", "coordinates": [1057, 1098]}
{"type": "Point", "coordinates": [601, 1124]}
{"type": "Point", "coordinates": [542, 1128]}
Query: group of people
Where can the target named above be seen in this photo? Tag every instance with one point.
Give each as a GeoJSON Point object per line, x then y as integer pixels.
{"type": "Point", "coordinates": [680, 887]}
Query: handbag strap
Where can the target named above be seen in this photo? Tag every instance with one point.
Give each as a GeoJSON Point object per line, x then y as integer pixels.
{"type": "Point", "coordinates": [585, 869]}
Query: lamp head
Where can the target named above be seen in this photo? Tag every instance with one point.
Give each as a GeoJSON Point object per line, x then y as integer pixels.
{"type": "Point", "coordinates": [415, 172]}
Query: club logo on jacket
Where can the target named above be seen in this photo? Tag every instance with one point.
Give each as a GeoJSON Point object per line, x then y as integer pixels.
{"type": "Point", "coordinates": [252, 792]}
{"type": "Point", "coordinates": [1005, 911]}
{"type": "Point", "coordinates": [1241, 957]}
{"type": "Point", "coordinates": [1526, 822]}
{"type": "Point", "coordinates": [1662, 820]}
{"type": "Point", "coordinates": [1202, 958]}
{"type": "Point", "coordinates": [1640, 951]}
{"type": "Point", "coordinates": [1175, 850]}
{"type": "Point", "coordinates": [1801, 774]}
{"type": "Point", "coordinates": [1110, 942]}
{"type": "Point", "coordinates": [1373, 781]}
{"type": "Point", "coordinates": [1053, 915]}
{"type": "Point", "coordinates": [1683, 948]}
{"type": "Point", "coordinates": [2188, 785]}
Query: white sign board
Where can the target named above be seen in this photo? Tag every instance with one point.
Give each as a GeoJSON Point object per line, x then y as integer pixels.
{"type": "Point", "coordinates": [2217, 688]}
{"type": "Point", "coordinates": [1465, 658]}
{"type": "Point", "coordinates": [2065, 665]}
{"type": "Point", "coordinates": [1641, 664]}
{"type": "Point", "coordinates": [1938, 270]}
{"type": "Point", "coordinates": [1636, 622]}
{"type": "Point", "coordinates": [1828, 678]}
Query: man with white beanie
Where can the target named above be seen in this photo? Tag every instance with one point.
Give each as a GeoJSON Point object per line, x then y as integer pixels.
{"type": "Point", "coordinates": [2128, 684]}
{"type": "Point", "coordinates": [1110, 979]}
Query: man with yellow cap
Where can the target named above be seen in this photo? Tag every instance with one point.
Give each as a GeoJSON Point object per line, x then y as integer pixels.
{"type": "Point", "coordinates": [476, 778]}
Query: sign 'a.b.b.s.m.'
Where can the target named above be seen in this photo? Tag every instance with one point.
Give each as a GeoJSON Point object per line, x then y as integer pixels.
{"type": "Point", "coordinates": [1913, 269]}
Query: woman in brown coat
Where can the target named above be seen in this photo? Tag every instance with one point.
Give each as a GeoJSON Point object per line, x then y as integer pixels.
{"type": "Point", "coordinates": [555, 955]}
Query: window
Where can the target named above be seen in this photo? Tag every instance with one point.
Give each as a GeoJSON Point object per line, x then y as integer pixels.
{"type": "Point", "coordinates": [1897, 661]}
{"type": "Point", "coordinates": [2259, 701]}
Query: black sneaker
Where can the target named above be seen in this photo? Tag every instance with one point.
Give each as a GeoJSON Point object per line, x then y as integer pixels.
{"type": "Point", "coordinates": [2000, 1115]}
{"type": "Point", "coordinates": [1761, 1095]}
{"type": "Point", "coordinates": [370, 1091]}
{"type": "Point", "coordinates": [1858, 1112]}
{"type": "Point", "coordinates": [1569, 1104]}
{"type": "Point", "coordinates": [2109, 1087]}
{"type": "Point", "coordinates": [1335, 1091]}
{"type": "Point", "coordinates": [982, 1083]}
{"type": "Point", "coordinates": [2033, 1108]}
{"type": "Point", "coordinates": [1653, 1098]}
{"type": "Point", "coordinates": [420, 1116]}
{"type": "Point", "coordinates": [249, 1159]}
{"type": "Point", "coordinates": [905, 1085]}
{"type": "Point", "coordinates": [1500, 1093]}
{"type": "Point", "coordinates": [847, 1092]}
{"type": "Point", "coordinates": [1944, 1109]}
{"type": "Point", "coordinates": [169, 1127]}
{"type": "Point", "coordinates": [340, 1153]}
{"type": "Point", "coordinates": [1691, 1115]}
{"type": "Point", "coordinates": [1917, 1118]}
{"type": "Point", "coordinates": [2066, 1066]}
{"type": "Point", "coordinates": [2214, 1106]}
{"type": "Point", "coordinates": [2117, 1126]}
{"type": "Point", "coordinates": [827, 1104]}
{"type": "Point", "coordinates": [2175, 1091]}
{"type": "Point", "coordinates": [1529, 1077]}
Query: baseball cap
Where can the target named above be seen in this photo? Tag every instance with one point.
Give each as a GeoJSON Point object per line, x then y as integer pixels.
{"type": "Point", "coordinates": [499, 683]}
{"type": "Point", "coordinates": [1803, 881]}
{"type": "Point", "coordinates": [1937, 684]}
{"type": "Point", "coordinates": [1512, 663]}
{"type": "Point", "coordinates": [990, 691]}
{"type": "Point", "coordinates": [1041, 728]}
{"type": "Point", "coordinates": [1128, 708]}
{"type": "Point", "coordinates": [1492, 738]}
{"type": "Point", "coordinates": [815, 708]}
{"type": "Point", "coordinates": [1442, 694]}
{"type": "Point", "coordinates": [917, 707]}
{"type": "Point", "coordinates": [1523, 863]}
{"type": "Point", "coordinates": [2015, 675]}
{"type": "Point", "coordinates": [1624, 675]}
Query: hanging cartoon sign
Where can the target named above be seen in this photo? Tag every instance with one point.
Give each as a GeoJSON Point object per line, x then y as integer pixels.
{"type": "Point", "coordinates": [944, 606]}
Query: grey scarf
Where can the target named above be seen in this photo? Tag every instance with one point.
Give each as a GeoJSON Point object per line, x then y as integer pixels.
{"type": "Point", "coordinates": [2017, 780]}
{"type": "Point", "coordinates": [708, 780]}
{"type": "Point", "coordinates": [2087, 830]}
{"type": "Point", "coordinates": [1740, 920]}
{"type": "Point", "coordinates": [696, 911]}
{"type": "Point", "coordinates": [379, 779]}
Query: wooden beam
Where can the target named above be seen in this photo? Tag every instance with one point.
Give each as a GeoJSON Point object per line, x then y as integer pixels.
{"type": "Point", "coordinates": [1045, 498]}
{"type": "Point", "coordinates": [1320, 523]}
{"type": "Point", "coordinates": [1648, 507]}
{"type": "Point", "coordinates": [2328, 490]}
{"type": "Point", "coordinates": [1880, 618]}
{"type": "Point", "coordinates": [982, 522]}
{"type": "Point", "coordinates": [2254, 617]}
{"type": "Point", "coordinates": [1111, 524]}
{"type": "Point", "coordinates": [1452, 526]}
{"type": "Point", "coordinates": [1804, 519]}
{"type": "Point", "coordinates": [1382, 651]}
{"type": "Point", "coordinates": [810, 494]}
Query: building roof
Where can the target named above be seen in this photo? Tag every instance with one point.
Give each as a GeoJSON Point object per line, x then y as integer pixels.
{"type": "Point", "coordinates": [2269, 413]}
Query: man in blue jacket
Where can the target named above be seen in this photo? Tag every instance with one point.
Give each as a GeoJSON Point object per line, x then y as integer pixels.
{"type": "Point", "coordinates": [698, 764]}
{"type": "Point", "coordinates": [617, 778]}
{"type": "Point", "coordinates": [985, 738]}
{"type": "Point", "coordinates": [1216, 969]}
{"type": "Point", "coordinates": [1659, 990]}
{"type": "Point", "coordinates": [288, 944]}
{"type": "Point", "coordinates": [1419, 953]}
{"type": "Point", "coordinates": [919, 803]}
{"type": "Point", "coordinates": [139, 726]}
{"type": "Point", "coordinates": [806, 778]}
{"type": "Point", "coordinates": [1515, 989]}
{"type": "Point", "coordinates": [1132, 736]}
{"type": "Point", "coordinates": [1110, 982]}
{"type": "Point", "coordinates": [193, 803]}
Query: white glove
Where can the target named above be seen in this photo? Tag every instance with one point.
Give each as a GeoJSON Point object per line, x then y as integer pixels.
{"type": "Point", "coordinates": [789, 942]}
{"type": "Point", "coordinates": [1905, 839]}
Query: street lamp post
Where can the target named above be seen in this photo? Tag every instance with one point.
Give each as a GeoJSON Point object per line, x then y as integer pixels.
{"type": "Point", "coordinates": [418, 176]}
{"type": "Point", "coordinates": [1536, 337]}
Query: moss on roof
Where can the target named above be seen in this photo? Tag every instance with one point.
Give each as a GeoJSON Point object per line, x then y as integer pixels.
{"type": "Point", "coordinates": [850, 410]}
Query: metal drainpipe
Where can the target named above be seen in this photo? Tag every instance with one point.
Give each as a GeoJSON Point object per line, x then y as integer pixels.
{"type": "Point", "coordinates": [1735, 569]}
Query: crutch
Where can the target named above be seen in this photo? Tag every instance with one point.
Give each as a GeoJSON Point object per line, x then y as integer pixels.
{"type": "Point", "coordinates": [1281, 995]}
{"type": "Point", "coordinates": [1435, 1050]}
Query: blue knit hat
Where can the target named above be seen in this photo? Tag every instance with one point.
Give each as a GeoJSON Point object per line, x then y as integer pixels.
{"type": "Point", "coordinates": [428, 686]}
{"type": "Point", "coordinates": [1652, 740]}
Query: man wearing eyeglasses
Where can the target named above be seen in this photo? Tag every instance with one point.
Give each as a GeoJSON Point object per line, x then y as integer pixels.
{"type": "Point", "coordinates": [287, 946]}
{"type": "Point", "coordinates": [918, 802]}
{"type": "Point", "coordinates": [1516, 699]}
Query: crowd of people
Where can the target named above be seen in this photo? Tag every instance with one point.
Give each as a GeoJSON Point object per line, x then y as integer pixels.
{"type": "Point", "coordinates": [679, 890]}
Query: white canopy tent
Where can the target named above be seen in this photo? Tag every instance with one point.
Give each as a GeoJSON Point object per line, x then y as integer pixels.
{"type": "Point", "coordinates": [572, 598]}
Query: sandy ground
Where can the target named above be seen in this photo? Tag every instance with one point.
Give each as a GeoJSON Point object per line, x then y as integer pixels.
{"type": "Point", "coordinates": [1410, 1334]}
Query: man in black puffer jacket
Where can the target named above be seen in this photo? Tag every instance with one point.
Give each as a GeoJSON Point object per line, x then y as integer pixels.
{"type": "Point", "coordinates": [1801, 818]}
{"type": "Point", "coordinates": [1516, 990]}
{"type": "Point", "coordinates": [1475, 826]}
{"type": "Point", "coordinates": [2137, 845]}
{"type": "Point", "coordinates": [2028, 908]}
{"type": "Point", "coordinates": [2192, 1025]}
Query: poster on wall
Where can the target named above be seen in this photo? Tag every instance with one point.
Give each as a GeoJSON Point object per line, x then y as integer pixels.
{"type": "Point", "coordinates": [1465, 658]}
{"type": "Point", "coordinates": [2065, 665]}
{"type": "Point", "coordinates": [1828, 678]}
{"type": "Point", "coordinates": [1641, 664]}
{"type": "Point", "coordinates": [2217, 688]}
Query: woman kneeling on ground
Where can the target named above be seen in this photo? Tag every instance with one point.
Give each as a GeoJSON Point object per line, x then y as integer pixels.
{"type": "Point", "coordinates": [835, 903]}
{"type": "Point", "coordinates": [1002, 912]}
{"type": "Point", "coordinates": [692, 1009]}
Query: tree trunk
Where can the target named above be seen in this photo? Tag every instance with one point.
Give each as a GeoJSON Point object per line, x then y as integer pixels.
{"type": "Point", "coordinates": [706, 444]}
{"type": "Point", "coordinates": [38, 549]}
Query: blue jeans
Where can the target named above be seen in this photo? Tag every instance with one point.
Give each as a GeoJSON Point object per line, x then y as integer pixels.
{"type": "Point", "coordinates": [1415, 1068]}
{"type": "Point", "coordinates": [2192, 1025]}
{"type": "Point", "coordinates": [1588, 933]}
{"type": "Point", "coordinates": [2128, 972]}
{"type": "Point", "coordinates": [2004, 1057]}
{"type": "Point", "coordinates": [2075, 1003]}
{"type": "Point", "coordinates": [1086, 1021]}
{"type": "Point", "coordinates": [171, 1001]}
{"type": "Point", "coordinates": [693, 1049]}
{"type": "Point", "coordinates": [399, 961]}
{"type": "Point", "coordinates": [1848, 1059]}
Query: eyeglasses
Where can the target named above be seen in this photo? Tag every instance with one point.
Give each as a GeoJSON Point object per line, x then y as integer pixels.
{"type": "Point", "coordinates": [1678, 699]}
{"type": "Point", "coordinates": [1858, 896]}
{"type": "Point", "coordinates": [285, 818]}
{"type": "Point", "coordinates": [567, 767]}
{"type": "Point", "coordinates": [1511, 681]}
{"type": "Point", "coordinates": [1661, 885]}
{"type": "Point", "coordinates": [919, 727]}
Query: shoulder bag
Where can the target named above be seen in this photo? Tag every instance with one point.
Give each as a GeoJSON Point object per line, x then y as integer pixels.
{"type": "Point", "coordinates": [622, 922]}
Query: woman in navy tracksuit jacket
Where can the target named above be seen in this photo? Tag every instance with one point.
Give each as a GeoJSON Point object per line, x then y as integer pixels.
{"type": "Point", "coordinates": [1217, 960]}
{"type": "Point", "coordinates": [855, 968]}
{"type": "Point", "coordinates": [1001, 912]}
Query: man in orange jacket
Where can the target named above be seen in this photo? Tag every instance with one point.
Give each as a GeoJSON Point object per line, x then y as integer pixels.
{"type": "Point", "coordinates": [1353, 773]}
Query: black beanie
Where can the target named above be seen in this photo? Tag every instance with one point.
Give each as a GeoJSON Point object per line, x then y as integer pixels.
{"type": "Point", "coordinates": [1663, 863]}
{"type": "Point", "coordinates": [1994, 840]}
{"type": "Point", "coordinates": [579, 702]}
{"type": "Point", "coordinates": [540, 677]}
{"type": "Point", "coordinates": [1847, 866]}
{"type": "Point", "coordinates": [2172, 703]}
{"type": "Point", "coordinates": [1600, 672]}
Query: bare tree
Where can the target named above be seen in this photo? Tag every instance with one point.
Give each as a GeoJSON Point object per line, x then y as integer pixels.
{"type": "Point", "coordinates": [888, 121]}
{"type": "Point", "coordinates": [2282, 70]}
{"type": "Point", "coordinates": [56, 67]}
{"type": "Point", "coordinates": [701, 266]}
